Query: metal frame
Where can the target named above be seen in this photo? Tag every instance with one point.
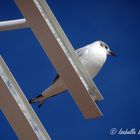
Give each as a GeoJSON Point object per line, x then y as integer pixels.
{"type": "Point", "coordinates": [39, 17]}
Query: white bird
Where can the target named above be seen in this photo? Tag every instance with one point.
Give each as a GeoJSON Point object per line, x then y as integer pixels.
{"type": "Point", "coordinates": [92, 56]}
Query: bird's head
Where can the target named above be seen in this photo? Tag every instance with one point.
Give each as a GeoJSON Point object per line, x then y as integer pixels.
{"type": "Point", "coordinates": [104, 46]}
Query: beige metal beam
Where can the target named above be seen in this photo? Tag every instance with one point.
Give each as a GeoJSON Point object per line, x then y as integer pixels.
{"type": "Point", "coordinates": [16, 108]}
{"type": "Point", "coordinates": [61, 53]}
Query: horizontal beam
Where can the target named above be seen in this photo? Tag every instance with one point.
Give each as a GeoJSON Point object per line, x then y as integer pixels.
{"type": "Point", "coordinates": [61, 53]}
{"type": "Point", "coordinates": [13, 24]}
{"type": "Point", "coordinates": [16, 108]}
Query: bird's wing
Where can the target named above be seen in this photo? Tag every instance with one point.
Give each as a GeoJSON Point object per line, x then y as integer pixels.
{"type": "Point", "coordinates": [55, 79]}
{"type": "Point", "coordinates": [81, 52]}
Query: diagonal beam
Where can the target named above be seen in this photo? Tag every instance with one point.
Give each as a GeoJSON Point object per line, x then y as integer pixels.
{"type": "Point", "coordinates": [16, 108]}
{"type": "Point", "coordinates": [95, 93]}
{"type": "Point", "coordinates": [61, 53]}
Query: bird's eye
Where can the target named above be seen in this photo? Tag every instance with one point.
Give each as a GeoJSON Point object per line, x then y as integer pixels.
{"type": "Point", "coordinates": [106, 47]}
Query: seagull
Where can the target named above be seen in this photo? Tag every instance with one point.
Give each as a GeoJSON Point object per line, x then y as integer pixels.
{"type": "Point", "coordinates": [92, 56]}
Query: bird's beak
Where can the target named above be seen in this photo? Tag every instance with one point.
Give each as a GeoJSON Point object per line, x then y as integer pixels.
{"type": "Point", "coordinates": [112, 53]}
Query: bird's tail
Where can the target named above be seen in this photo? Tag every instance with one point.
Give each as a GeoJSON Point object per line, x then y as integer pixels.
{"type": "Point", "coordinates": [53, 90]}
{"type": "Point", "coordinates": [38, 99]}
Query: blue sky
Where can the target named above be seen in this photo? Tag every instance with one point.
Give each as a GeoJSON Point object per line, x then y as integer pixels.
{"type": "Point", "coordinates": [115, 22]}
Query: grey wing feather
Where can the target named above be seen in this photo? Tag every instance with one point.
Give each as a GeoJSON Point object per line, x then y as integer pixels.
{"type": "Point", "coordinates": [82, 52]}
